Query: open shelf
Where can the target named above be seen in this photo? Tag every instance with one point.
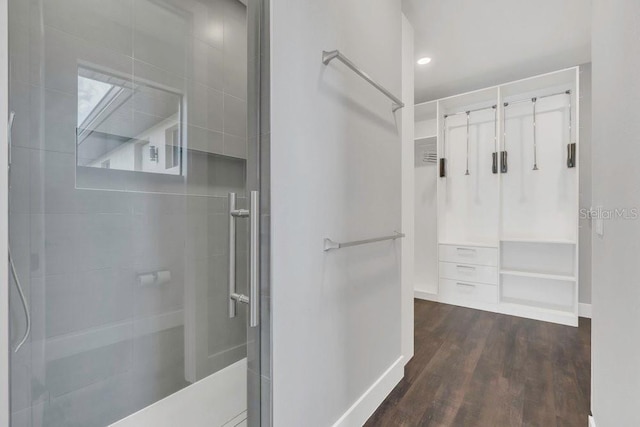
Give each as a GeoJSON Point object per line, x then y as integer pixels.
{"type": "Point", "coordinates": [426, 138]}
{"type": "Point", "coordinates": [468, 243]}
{"type": "Point", "coordinates": [532, 240]}
{"type": "Point", "coordinates": [538, 293]}
{"type": "Point", "coordinates": [539, 275]}
{"type": "Point", "coordinates": [516, 302]}
{"type": "Point", "coordinates": [540, 259]}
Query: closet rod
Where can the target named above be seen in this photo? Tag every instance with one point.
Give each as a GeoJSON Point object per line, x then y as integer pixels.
{"type": "Point", "coordinates": [328, 56]}
{"type": "Point", "coordinates": [519, 101]}
{"type": "Point", "coordinates": [470, 111]}
{"type": "Point", "coordinates": [330, 245]}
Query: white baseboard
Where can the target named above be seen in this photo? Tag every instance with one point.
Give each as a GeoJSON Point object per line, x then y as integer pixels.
{"type": "Point", "coordinates": [592, 422]}
{"type": "Point", "coordinates": [366, 405]}
{"type": "Point", "coordinates": [584, 310]}
{"type": "Point", "coordinates": [428, 296]}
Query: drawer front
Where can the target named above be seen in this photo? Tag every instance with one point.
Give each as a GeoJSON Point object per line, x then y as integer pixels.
{"type": "Point", "coordinates": [469, 272]}
{"type": "Point", "coordinates": [460, 291]}
{"type": "Point", "coordinates": [469, 255]}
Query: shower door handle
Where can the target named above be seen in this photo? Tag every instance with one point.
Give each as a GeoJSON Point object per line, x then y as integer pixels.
{"type": "Point", "coordinates": [234, 213]}
{"type": "Point", "coordinates": [234, 297]}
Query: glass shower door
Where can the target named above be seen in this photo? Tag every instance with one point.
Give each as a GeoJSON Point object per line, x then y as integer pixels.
{"type": "Point", "coordinates": [129, 134]}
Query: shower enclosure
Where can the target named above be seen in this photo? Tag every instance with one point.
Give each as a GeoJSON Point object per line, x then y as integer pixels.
{"type": "Point", "coordinates": [133, 283]}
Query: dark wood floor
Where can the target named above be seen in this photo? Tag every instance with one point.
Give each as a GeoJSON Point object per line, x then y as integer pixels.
{"type": "Point", "coordinates": [477, 369]}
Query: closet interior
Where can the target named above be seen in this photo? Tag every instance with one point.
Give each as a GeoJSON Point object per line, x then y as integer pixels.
{"type": "Point", "coordinates": [496, 198]}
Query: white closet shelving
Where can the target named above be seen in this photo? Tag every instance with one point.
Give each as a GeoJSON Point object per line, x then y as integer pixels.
{"type": "Point", "coordinates": [508, 239]}
{"type": "Point", "coordinates": [425, 191]}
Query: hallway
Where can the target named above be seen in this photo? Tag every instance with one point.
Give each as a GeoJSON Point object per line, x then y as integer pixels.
{"type": "Point", "coordinates": [474, 368]}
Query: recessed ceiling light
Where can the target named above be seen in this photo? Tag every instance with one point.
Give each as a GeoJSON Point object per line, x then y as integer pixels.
{"type": "Point", "coordinates": [424, 61]}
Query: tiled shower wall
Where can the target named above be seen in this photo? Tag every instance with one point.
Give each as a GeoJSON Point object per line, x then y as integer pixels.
{"type": "Point", "coordinates": [102, 345]}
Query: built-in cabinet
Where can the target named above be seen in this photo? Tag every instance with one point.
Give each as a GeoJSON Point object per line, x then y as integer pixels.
{"type": "Point", "coordinates": [425, 195]}
{"type": "Point", "coordinates": [506, 202]}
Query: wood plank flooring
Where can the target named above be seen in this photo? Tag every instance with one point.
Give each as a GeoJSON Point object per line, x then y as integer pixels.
{"type": "Point", "coordinates": [477, 369]}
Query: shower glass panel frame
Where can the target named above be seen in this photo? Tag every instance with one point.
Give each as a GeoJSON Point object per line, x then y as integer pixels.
{"type": "Point", "coordinates": [122, 247]}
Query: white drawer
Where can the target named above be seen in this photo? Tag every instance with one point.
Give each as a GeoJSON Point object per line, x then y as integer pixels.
{"type": "Point", "coordinates": [469, 272]}
{"type": "Point", "coordinates": [469, 255]}
{"type": "Point", "coordinates": [457, 291]}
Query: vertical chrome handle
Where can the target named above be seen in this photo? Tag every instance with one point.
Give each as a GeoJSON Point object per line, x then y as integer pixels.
{"type": "Point", "coordinates": [254, 279]}
{"type": "Point", "coordinates": [232, 255]}
{"type": "Point", "coordinates": [234, 213]}
{"type": "Point", "coordinates": [254, 261]}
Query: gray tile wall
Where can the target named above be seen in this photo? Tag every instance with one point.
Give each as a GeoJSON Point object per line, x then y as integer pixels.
{"type": "Point", "coordinates": [79, 246]}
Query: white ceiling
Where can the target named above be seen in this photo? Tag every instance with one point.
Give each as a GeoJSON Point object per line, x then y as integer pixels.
{"type": "Point", "coordinates": [476, 43]}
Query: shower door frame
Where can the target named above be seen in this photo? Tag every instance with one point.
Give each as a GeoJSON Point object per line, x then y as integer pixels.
{"type": "Point", "coordinates": [259, 381]}
{"type": "Point", "coordinates": [4, 215]}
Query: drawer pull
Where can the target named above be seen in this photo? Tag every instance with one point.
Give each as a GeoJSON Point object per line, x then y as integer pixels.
{"type": "Point", "coordinates": [469, 285]}
{"type": "Point", "coordinates": [465, 267]}
{"type": "Point", "coordinates": [466, 251]}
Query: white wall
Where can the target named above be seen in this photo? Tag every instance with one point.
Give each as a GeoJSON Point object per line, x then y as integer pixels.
{"type": "Point", "coordinates": [616, 270]}
{"type": "Point", "coordinates": [408, 184]}
{"type": "Point", "coordinates": [426, 128]}
{"type": "Point", "coordinates": [335, 172]}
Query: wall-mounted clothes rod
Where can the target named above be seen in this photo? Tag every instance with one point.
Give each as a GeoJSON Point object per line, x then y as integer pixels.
{"type": "Point", "coordinates": [331, 245]}
{"type": "Point", "coordinates": [328, 56]}
{"type": "Point", "coordinates": [534, 98]}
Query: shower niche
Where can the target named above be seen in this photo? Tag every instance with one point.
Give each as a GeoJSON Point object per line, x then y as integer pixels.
{"type": "Point", "coordinates": [507, 198]}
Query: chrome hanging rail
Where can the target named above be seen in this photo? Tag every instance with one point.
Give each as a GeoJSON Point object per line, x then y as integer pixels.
{"type": "Point", "coordinates": [504, 167]}
{"type": "Point", "coordinates": [328, 56]}
{"type": "Point", "coordinates": [494, 155]}
{"type": "Point", "coordinates": [571, 146]}
{"type": "Point", "coordinates": [331, 245]}
{"type": "Point", "coordinates": [535, 133]}
{"type": "Point", "coordinates": [468, 114]}
{"type": "Point", "coordinates": [566, 92]}
{"type": "Point", "coordinates": [469, 111]}
{"type": "Point", "coordinates": [468, 118]}
{"type": "Point", "coordinates": [443, 160]}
